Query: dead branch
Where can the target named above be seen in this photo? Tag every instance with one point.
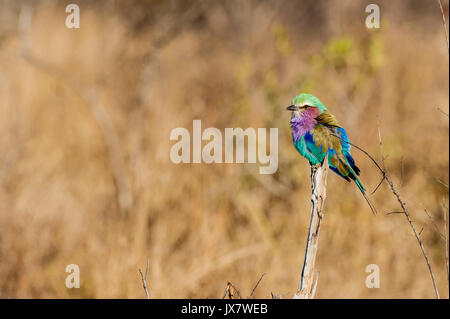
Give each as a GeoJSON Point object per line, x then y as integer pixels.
{"type": "Point", "coordinates": [144, 280]}
{"type": "Point", "coordinates": [307, 285]}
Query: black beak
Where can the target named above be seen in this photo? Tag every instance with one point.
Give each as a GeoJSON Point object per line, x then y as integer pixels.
{"type": "Point", "coordinates": [291, 107]}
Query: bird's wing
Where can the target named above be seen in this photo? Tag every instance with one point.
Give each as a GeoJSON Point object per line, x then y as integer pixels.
{"type": "Point", "coordinates": [327, 119]}
{"type": "Point", "coordinates": [320, 141]}
{"type": "Point", "coordinates": [325, 139]}
{"type": "Point", "coordinates": [330, 137]}
{"type": "Point", "coordinates": [339, 133]}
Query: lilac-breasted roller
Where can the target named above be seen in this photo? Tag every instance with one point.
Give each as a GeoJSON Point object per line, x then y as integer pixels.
{"type": "Point", "coordinates": [316, 133]}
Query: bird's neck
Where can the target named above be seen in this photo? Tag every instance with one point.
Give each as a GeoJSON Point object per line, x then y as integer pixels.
{"type": "Point", "coordinates": [300, 125]}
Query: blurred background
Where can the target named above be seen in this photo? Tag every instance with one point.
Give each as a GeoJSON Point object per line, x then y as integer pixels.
{"type": "Point", "coordinates": [85, 120]}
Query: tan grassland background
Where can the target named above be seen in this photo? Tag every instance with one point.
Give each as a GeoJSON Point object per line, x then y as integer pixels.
{"type": "Point", "coordinates": [85, 120]}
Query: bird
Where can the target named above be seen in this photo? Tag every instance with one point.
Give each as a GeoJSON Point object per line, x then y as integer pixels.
{"type": "Point", "coordinates": [316, 133]}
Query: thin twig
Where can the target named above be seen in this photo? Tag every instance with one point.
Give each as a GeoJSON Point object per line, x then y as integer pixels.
{"type": "Point", "coordinates": [445, 210]}
{"type": "Point", "coordinates": [394, 213]}
{"type": "Point", "coordinates": [408, 217]}
{"type": "Point", "coordinates": [445, 25]}
{"type": "Point", "coordinates": [403, 206]}
{"type": "Point", "coordinates": [225, 291]}
{"type": "Point", "coordinates": [442, 111]}
{"type": "Point", "coordinates": [231, 291]}
{"type": "Point", "coordinates": [442, 183]}
{"type": "Point", "coordinates": [420, 233]}
{"type": "Point", "coordinates": [379, 184]}
{"type": "Point", "coordinates": [277, 296]}
{"type": "Point", "coordinates": [381, 144]}
{"type": "Point", "coordinates": [144, 280]}
{"type": "Point", "coordinates": [254, 288]}
{"type": "Point", "coordinates": [434, 224]}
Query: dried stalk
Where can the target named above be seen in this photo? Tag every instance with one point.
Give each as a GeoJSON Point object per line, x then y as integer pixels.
{"type": "Point", "coordinates": [231, 292]}
{"type": "Point", "coordinates": [444, 23]}
{"type": "Point", "coordinates": [445, 210]}
{"type": "Point", "coordinates": [144, 280]}
{"type": "Point", "coordinates": [256, 286]}
{"type": "Point", "coordinates": [308, 285]}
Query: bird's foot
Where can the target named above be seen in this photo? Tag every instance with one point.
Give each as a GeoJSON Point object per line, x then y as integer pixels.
{"type": "Point", "coordinates": [315, 166]}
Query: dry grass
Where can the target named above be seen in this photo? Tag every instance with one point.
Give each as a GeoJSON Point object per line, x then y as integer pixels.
{"type": "Point", "coordinates": [156, 66]}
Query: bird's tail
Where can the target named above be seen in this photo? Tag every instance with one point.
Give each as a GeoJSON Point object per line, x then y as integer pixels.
{"type": "Point", "coordinates": [363, 192]}
{"type": "Point", "coordinates": [353, 172]}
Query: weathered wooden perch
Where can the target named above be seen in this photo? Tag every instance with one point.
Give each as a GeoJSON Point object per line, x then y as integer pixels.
{"type": "Point", "coordinates": [308, 285]}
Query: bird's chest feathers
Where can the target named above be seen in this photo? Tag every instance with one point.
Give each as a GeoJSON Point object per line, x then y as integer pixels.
{"type": "Point", "coordinates": [304, 123]}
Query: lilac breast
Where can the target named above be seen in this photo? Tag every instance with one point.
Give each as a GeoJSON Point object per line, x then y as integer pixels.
{"type": "Point", "coordinates": [304, 123]}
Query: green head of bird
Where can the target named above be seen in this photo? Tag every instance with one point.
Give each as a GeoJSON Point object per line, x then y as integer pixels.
{"type": "Point", "coordinates": [303, 102]}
